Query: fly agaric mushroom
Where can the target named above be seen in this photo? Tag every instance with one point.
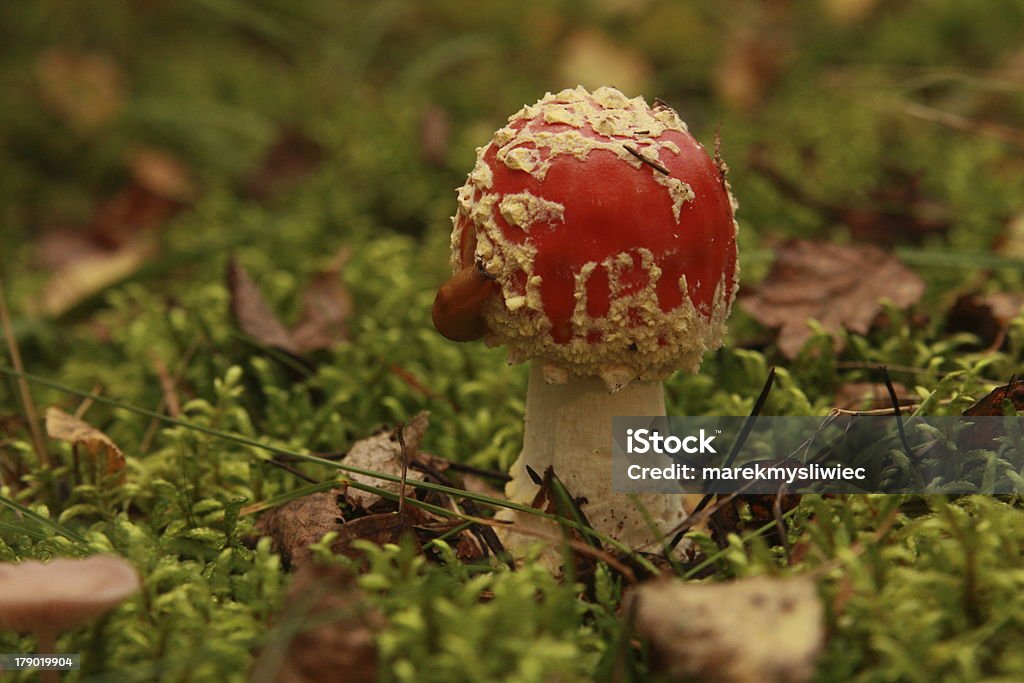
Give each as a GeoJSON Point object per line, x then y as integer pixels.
{"type": "Point", "coordinates": [595, 236]}
{"type": "Point", "coordinates": [46, 599]}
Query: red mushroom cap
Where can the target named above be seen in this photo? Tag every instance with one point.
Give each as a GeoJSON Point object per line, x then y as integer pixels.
{"type": "Point", "coordinates": [610, 232]}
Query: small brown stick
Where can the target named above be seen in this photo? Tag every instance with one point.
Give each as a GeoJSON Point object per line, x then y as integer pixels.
{"type": "Point", "coordinates": [154, 424]}
{"type": "Point", "coordinates": [167, 386]}
{"type": "Point", "coordinates": [84, 406]}
{"type": "Point", "coordinates": [646, 160]}
{"type": "Point", "coordinates": [897, 412]}
{"type": "Point", "coordinates": [400, 433]}
{"type": "Point", "coordinates": [870, 413]}
{"type": "Point", "coordinates": [26, 395]}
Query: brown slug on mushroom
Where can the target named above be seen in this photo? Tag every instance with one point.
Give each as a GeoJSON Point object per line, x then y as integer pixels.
{"type": "Point", "coordinates": [609, 233]}
{"type": "Point", "coordinates": [458, 307]}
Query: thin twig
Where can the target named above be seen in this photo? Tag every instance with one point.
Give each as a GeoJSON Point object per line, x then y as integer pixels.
{"type": "Point", "coordinates": [26, 394]}
{"type": "Point", "coordinates": [644, 159]}
{"type": "Point", "coordinates": [896, 411]}
{"type": "Point", "coordinates": [400, 433]}
{"type": "Point", "coordinates": [154, 424]}
{"type": "Point", "coordinates": [84, 406]}
{"type": "Point", "coordinates": [870, 413]}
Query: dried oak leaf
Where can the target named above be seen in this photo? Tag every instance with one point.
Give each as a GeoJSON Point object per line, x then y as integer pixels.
{"type": "Point", "coordinates": [334, 628]}
{"type": "Point", "coordinates": [81, 278]}
{"type": "Point", "coordinates": [742, 513]}
{"type": "Point", "coordinates": [85, 90]}
{"type": "Point", "coordinates": [296, 525]}
{"type": "Point", "coordinates": [326, 307]}
{"type": "Point", "coordinates": [252, 312]}
{"type": "Point", "coordinates": [383, 453]}
{"type": "Point", "coordinates": [985, 315]}
{"type": "Point", "coordinates": [379, 528]}
{"type": "Point", "coordinates": [64, 427]}
{"type": "Point", "coordinates": [324, 319]}
{"type": "Point", "coordinates": [842, 287]}
{"type": "Point", "coordinates": [992, 403]}
{"type": "Point", "coordinates": [758, 629]}
{"type": "Point", "coordinates": [161, 186]}
{"type": "Point", "coordinates": [435, 133]}
{"type": "Point", "coordinates": [592, 59]}
{"type": "Point", "coordinates": [288, 161]}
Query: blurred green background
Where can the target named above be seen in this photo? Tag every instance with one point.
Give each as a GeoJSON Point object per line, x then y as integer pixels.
{"type": "Point", "coordinates": [144, 142]}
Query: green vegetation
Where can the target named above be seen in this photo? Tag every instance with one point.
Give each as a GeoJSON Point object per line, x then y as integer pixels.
{"type": "Point", "coordinates": [909, 115]}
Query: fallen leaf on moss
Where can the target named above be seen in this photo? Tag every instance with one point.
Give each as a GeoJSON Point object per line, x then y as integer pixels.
{"type": "Point", "coordinates": [896, 210]}
{"type": "Point", "coordinates": [331, 628]}
{"type": "Point", "coordinates": [992, 403]}
{"type": "Point", "coordinates": [758, 629]}
{"type": "Point", "coordinates": [288, 161]}
{"type": "Point", "coordinates": [162, 173]}
{"type": "Point", "coordinates": [1011, 242]}
{"type": "Point", "coordinates": [741, 514]}
{"type": "Point", "coordinates": [85, 90]}
{"type": "Point", "coordinates": [324, 319]}
{"type": "Point", "coordinates": [842, 287]}
{"type": "Point", "coordinates": [64, 427]}
{"type": "Point", "coordinates": [252, 312]}
{"type": "Point", "coordinates": [592, 59]}
{"type": "Point", "coordinates": [986, 315]}
{"type": "Point", "coordinates": [435, 133]}
{"type": "Point", "coordinates": [160, 187]}
{"type": "Point", "coordinates": [326, 307]}
{"type": "Point", "coordinates": [84, 277]}
{"type": "Point", "coordinates": [383, 453]}
{"type": "Point", "coordinates": [300, 523]}
{"type": "Point", "coordinates": [380, 528]}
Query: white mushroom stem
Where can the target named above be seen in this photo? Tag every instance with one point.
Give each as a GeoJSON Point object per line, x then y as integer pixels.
{"type": "Point", "coordinates": [569, 428]}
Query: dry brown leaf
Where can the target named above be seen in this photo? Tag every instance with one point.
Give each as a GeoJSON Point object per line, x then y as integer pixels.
{"type": "Point", "coordinates": [61, 246]}
{"type": "Point", "coordinates": [379, 528]}
{"type": "Point", "coordinates": [591, 59]}
{"type": "Point", "coordinates": [289, 160]}
{"type": "Point", "coordinates": [298, 524]}
{"type": "Point", "coordinates": [161, 186]}
{"type": "Point", "coordinates": [740, 514]}
{"type": "Point", "coordinates": [896, 210]}
{"type": "Point", "coordinates": [382, 453]}
{"type": "Point", "coordinates": [1011, 242]}
{"type": "Point", "coordinates": [849, 11]}
{"type": "Point", "coordinates": [842, 287]}
{"type": "Point", "coordinates": [435, 133]}
{"type": "Point", "coordinates": [985, 315]}
{"type": "Point", "coordinates": [64, 427]}
{"type": "Point", "coordinates": [87, 276]}
{"type": "Point", "coordinates": [252, 312]}
{"type": "Point", "coordinates": [85, 90]}
{"type": "Point", "coordinates": [992, 403]}
{"type": "Point", "coordinates": [339, 642]}
{"type": "Point", "coordinates": [131, 211]}
{"type": "Point", "coordinates": [758, 629]}
{"type": "Point", "coordinates": [324, 319]}
{"type": "Point", "coordinates": [326, 307]}
{"type": "Point", "coordinates": [162, 173]}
